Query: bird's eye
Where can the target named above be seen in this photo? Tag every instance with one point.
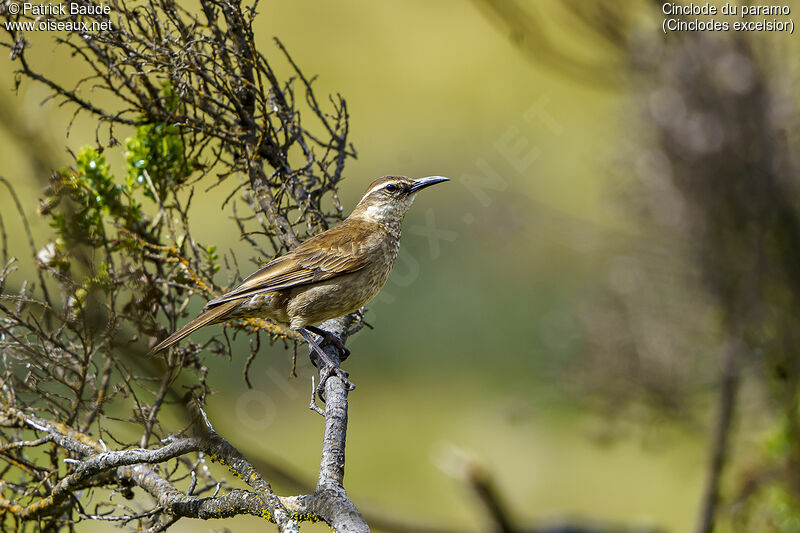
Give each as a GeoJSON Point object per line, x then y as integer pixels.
{"type": "Point", "coordinates": [391, 187]}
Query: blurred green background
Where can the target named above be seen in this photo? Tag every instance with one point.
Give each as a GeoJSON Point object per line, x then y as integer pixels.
{"type": "Point", "coordinates": [478, 332]}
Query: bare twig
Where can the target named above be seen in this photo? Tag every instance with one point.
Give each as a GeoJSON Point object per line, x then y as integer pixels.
{"type": "Point", "coordinates": [721, 438]}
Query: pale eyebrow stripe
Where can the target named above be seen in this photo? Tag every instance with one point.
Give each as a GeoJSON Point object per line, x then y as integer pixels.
{"type": "Point", "coordinates": [375, 188]}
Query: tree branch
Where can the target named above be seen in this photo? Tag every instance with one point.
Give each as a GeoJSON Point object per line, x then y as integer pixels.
{"type": "Point", "coordinates": [329, 500]}
{"type": "Point", "coordinates": [128, 465]}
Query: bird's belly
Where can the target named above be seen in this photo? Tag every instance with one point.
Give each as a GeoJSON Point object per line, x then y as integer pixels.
{"type": "Point", "coordinates": [334, 298]}
{"type": "Point", "coordinates": [270, 305]}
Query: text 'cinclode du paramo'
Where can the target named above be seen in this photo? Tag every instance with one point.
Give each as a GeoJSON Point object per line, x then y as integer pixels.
{"type": "Point", "coordinates": [728, 16]}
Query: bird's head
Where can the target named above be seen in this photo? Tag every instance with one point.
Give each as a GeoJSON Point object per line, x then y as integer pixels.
{"type": "Point", "coordinates": [388, 199]}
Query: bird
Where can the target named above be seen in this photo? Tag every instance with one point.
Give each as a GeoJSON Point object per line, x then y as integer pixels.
{"type": "Point", "coordinates": [331, 274]}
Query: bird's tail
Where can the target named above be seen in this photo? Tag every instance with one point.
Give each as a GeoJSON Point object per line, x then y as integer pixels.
{"type": "Point", "coordinates": [209, 316]}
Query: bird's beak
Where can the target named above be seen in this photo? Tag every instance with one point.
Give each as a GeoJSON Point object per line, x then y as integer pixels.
{"type": "Point", "coordinates": [421, 183]}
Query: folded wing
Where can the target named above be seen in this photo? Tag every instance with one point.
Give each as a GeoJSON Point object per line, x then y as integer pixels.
{"type": "Point", "coordinates": [336, 252]}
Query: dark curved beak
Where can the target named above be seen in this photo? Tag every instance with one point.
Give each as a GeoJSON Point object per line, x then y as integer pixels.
{"type": "Point", "coordinates": [421, 183]}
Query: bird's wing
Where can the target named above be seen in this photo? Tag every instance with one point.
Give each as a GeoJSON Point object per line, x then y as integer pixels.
{"type": "Point", "coordinates": [340, 250]}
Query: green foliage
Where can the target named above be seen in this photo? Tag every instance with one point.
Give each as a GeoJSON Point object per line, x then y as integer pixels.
{"type": "Point", "coordinates": [773, 501]}
{"type": "Point", "coordinates": [79, 201]}
{"type": "Point", "coordinates": [157, 152]}
{"type": "Point", "coordinates": [783, 508]}
{"type": "Point", "coordinates": [88, 206]}
{"type": "Point", "coordinates": [212, 257]}
{"type": "Point", "coordinates": [155, 161]}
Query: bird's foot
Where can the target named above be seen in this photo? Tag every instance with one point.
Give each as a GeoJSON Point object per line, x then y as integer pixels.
{"type": "Point", "coordinates": [330, 367]}
{"type": "Point", "coordinates": [329, 338]}
{"type": "Point", "coordinates": [328, 370]}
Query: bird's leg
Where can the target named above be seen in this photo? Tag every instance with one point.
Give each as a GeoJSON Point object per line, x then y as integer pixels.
{"type": "Point", "coordinates": [330, 338]}
{"type": "Point", "coordinates": [329, 368]}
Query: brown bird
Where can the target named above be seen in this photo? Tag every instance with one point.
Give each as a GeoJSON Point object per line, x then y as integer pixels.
{"type": "Point", "coordinates": [329, 275]}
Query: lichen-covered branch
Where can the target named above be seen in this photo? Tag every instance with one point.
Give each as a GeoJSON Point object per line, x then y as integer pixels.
{"type": "Point", "coordinates": [208, 113]}
{"type": "Point", "coordinates": [329, 500]}
{"type": "Point", "coordinates": [131, 465]}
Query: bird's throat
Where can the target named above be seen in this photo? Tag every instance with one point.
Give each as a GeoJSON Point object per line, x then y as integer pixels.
{"type": "Point", "coordinates": [386, 213]}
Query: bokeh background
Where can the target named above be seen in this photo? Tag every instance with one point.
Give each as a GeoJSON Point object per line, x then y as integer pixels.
{"type": "Point", "coordinates": [495, 340]}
